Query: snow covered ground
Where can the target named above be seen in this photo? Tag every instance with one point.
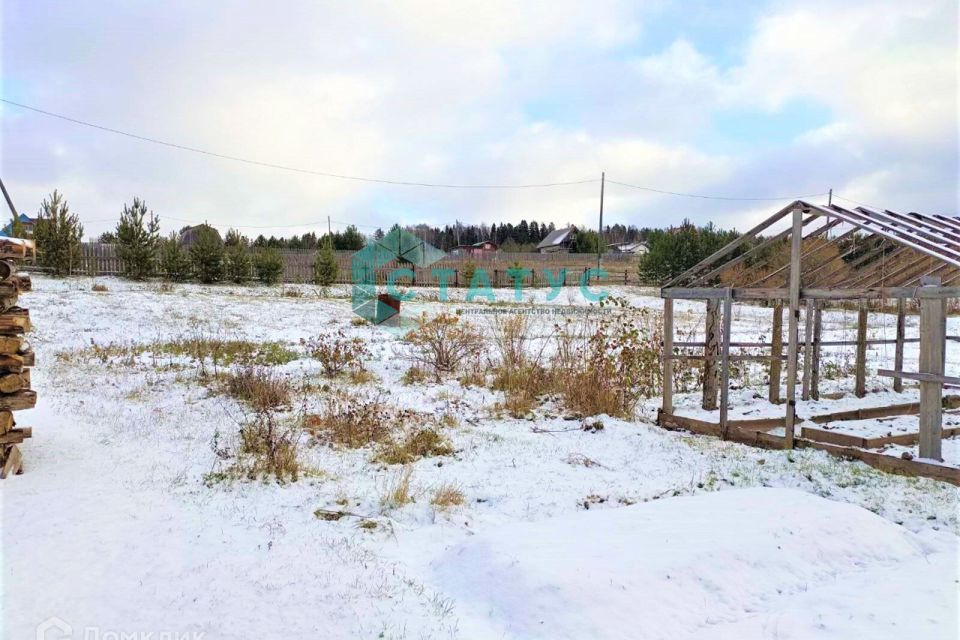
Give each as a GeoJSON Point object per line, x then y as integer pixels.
{"type": "Point", "coordinates": [113, 529]}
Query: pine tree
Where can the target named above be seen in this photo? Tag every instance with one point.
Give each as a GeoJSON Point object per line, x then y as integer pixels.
{"type": "Point", "coordinates": [206, 254]}
{"type": "Point", "coordinates": [325, 267]}
{"type": "Point", "coordinates": [238, 262]}
{"type": "Point", "coordinates": [58, 234]}
{"type": "Point", "coordinates": [17, 230]}
{"type": "Point", "coordinates": [268, 265]}
{"type": "Point", "coordinates": [174, 261]}
{"type": "Point", "coordinates": [138, 240]}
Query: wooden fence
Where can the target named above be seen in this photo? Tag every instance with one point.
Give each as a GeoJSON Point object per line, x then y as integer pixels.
{"type": "Point", "coordinates": [100, 259]}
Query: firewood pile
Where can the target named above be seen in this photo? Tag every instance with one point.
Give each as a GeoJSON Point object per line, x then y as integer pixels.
{"type": "Point", "coordinates": [16, 356]}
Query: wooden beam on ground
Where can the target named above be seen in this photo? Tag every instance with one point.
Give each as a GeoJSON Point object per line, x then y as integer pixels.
{"type": "Point", "coordinates": [711, 353]}
{"type": "Point", "coordinates": [901, 336]}
{"type": "Point", "coordinates": [887, 463]}
{"type": "Point", "coordinates": [817, 333]}
{"type": "Point", "coordinates": [851, 440]}
{"type": "Point", "coordinates": [792, 336]}
{"type": "Point", "coordinates": [725, 364]}
{"type": "Point", "coordinates": [933, 331]}
{"type": "Point", "coordinates": [776, 352]}
{"type": "Point", "coordinates": [667, 405]}
{"type": "Point", "coordinates": [871, 413]}
{"type": "Point", "coordinates": [919, 376]}
{"type": "Point", "coordinates": [860, 364]}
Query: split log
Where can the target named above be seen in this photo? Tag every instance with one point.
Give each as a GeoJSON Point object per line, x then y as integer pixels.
{"type": "Point", "coordinates": [14, 381]}
{"type": "Point", "coordinates": [13, 462]}
{"type": "Point", "coordinates": [16, 248]}
{"type": "Point", "coordinates": [28, 358]}
{"type": "Point", "coordinates": [18, 400]}
{"type": "Point", "coordinates": [10, 344]}
{"type": "Point", "coordinates": [23, 281]}
{"type": "Point", "coordinates": [16, 436]}
{"type": "Point", "coordinates": [6, 421]}
{"type": "Point", "coordinates": [11, 323]}
{"type": "Point", "coordinates": [12, 362]}
{"type": "Point", "coordinates": [7, 268]}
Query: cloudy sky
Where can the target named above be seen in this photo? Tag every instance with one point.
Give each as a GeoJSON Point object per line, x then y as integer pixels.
{"type": "Point", "coordinates": [736, 99]}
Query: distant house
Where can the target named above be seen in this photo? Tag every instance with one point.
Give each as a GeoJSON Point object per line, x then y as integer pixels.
{"type": "Point", "coordinates": [634, 248]}
{"type": "Point", "coordinates": [559, 241]}
{"type": "Point", "coordinates": [27, 222]}
{"type": "Point", "coordinates": [189, 235]}
{"type": "Point", "coordinates": [475, 249]}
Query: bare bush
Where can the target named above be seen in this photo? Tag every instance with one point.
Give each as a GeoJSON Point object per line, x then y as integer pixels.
{"type": "Point", "coordinates": [443, 343]}
{"type": "Point", "coordinates": [271, 447]}
{"type": "Point", "coordinates": [338, 353]}
{"type": "Point", "coordinates": [398, 491]}
{"type": "Point", "coordinates": [357, 420]}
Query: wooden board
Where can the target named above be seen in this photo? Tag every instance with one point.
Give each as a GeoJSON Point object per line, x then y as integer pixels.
{"type": "Point", "coordinates": [19, 400]}
{"type": "Point", "coordinates": [13, 462]}
{"type": "Point", "coordinates": [850, 440]}
{"type": "Point", "coordinates": [10, 344]}
{"type": "Point", "coordinates": [869, 413]}
{"type": "Point", "coordinates": [16, 436]}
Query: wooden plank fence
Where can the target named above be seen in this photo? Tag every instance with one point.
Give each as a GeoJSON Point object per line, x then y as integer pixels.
{"type": "Point", "coordinates": [99, 259]}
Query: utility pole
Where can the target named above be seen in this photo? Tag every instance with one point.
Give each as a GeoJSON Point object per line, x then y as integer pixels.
{"type": "Point", "coordinates": [603, 177]}
{"type": "Point", "coordinates": [329, 228]}
{"type": "Point", "coordinates": [830, 198]}
{"type": "Point", "coordinates": [6, 197]}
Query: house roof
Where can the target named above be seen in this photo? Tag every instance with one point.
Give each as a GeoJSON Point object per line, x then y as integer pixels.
{"type": "Point", "coordinates": [555, 238]}
{"type": "Point", "coordinates": [869, 248]}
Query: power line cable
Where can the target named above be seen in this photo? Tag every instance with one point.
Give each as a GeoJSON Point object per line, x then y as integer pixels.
{"type": "Point", "coordinates": [281, 167]}
{"type": "Point", "coordinates": [706, 197]}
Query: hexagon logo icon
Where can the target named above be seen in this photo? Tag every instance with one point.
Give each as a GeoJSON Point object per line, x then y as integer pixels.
{"type": "Point", "coordinates": [54, 628]}
{"type": "Point", "coordinates": [399, 246]}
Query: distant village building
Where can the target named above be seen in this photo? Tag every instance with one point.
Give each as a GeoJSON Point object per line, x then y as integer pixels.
{"type": "Point", "coordinates": [559, 241]}
{"type": "Point", "coordinates": [25, 220]}
{"type": "Point", "coordinates": [634, 248]}
{"type": "Point", "coordinates": [189, 235]}
{"type": "Point", "coordinates": [475, 249]}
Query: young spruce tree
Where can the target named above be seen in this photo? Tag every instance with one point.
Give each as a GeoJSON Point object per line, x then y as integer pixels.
{"type": "Point", "coordinates": [206, 254]}
{"type": "Point", "coordinates": [325, 267]}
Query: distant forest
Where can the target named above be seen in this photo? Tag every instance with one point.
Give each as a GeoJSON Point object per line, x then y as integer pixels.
{"type": "Point", "coordinates": [521, 237]}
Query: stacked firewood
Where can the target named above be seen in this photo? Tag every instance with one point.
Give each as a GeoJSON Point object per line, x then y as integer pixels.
{"type": "Point", "coordinates": [16, 356]}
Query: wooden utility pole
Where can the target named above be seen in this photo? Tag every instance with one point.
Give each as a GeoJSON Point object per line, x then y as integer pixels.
{"type": "Point", "coordinates": [6, 196]}
{"type": "Point", "coordinates": [603, 178]}
{"type": "Point", "coordinates": [329, 228]}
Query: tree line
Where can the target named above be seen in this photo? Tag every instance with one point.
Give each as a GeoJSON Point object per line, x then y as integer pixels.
{"type": "Point", "coordinates": [208, 258]}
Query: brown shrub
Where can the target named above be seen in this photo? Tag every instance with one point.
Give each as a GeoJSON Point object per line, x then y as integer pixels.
{"type": "Point", "coordinates": [338, 353]}
{"type": "Point", "coordinates": [259, 387]}
{"type": "Point", "coordinates": [269, 448]}
{"type": "Point", "coordinates": [99, 287]}
{"type": "Point", "coordinates": [447, 495]}
{"type": "Point", "coordinates": [422, 443]}
{"type": "Point", "coordinates": [443, 343]}
{"type": "Point", "coordinates": [354, 421]}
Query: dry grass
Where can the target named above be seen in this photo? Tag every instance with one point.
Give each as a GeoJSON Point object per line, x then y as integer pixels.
{"type": "Point", "coordinates": [337, 353]}
{"type": "Point", "coordinates": [413, 375]}
{"type": "Point", "coordinates": [447, 496]}
{"type": "Point", "coordinates": [259, 387]}
{"type": "Point", "coordinates": [99, 287]}
{"type": "Point", "coordinates": [397, 491]}
{"type": "Point", "coordinates": [361, 376]}
{"type": "Point", "coordinates": [421, 443]}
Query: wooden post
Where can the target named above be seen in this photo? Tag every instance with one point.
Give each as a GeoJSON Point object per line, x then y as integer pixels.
{"type": "Point", "coordinates": [932, 350]}
{"type": "Point", "coordinates": [796, 240]}
{"type": "Point", "coordinates": [668, 355]}
{"type": "Point", "coordinates": [776, 352]}
{"type": "Point", "coordinates": [807, 350]}
{"type": "Point", "coordinates": [901, 333]}
{"type": "Point", "coordinates": [725, 363]}
{"type": "Point", "coordinates": [817, 334]}
{"type": "Point", "coordinates": [710, 354]}
{"type": "Point", "coordinates": [860, 366]}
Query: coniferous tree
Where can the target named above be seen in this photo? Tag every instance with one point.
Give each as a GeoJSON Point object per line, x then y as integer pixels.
{"type": "Point", "coordinates": [138, 240]}
{"type": "Point", "coordinates": [237, 262]}
{"type": "Point", "coordinates": [325, 267]}
{"type": "Point", "coordinates": [206, 254]}
{"type": "Point", "coordinates": [174, 261]}
{"type": "Point", "coordinates": [58, 234]}
{"type": "Point", "coordinates": [269, 266]}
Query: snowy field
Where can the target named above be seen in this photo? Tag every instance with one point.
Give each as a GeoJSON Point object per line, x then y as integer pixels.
{"type": "Point", "coordinates": [626, 532]}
